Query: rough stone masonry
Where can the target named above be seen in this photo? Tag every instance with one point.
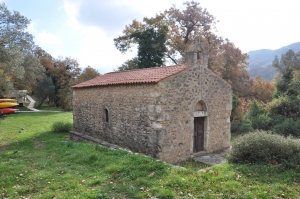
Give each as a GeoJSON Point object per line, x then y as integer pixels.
{"type": "Point", "coordinates": [156, 117]}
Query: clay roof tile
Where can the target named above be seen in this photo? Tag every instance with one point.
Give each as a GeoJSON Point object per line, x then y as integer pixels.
{"type": "Point", "coordinates": [147, 75]}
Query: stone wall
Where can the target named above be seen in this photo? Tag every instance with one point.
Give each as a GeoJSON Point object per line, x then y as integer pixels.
{"type": "Point", "coordinates": [157, 119]}
{"type": "Point", "coordinates": [179, 96]}
{"type": "Point", "coordinates": [128, 115]}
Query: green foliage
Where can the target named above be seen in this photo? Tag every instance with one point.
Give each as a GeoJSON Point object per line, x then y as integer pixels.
{"type": "Point", "coordinates": [65, 96]}
{"type": "Point", "coordinates": [255, 110]}
{"type": "Point", "coordinates": [151, 46]}
{"type": "Point", "coordinates": [287, 106]}
{"type": "Point", "coordinates": [129, 65]}
{"type": "Point", "coordinates": [62, 127]}
{"type": "Point", "coordinates": [258, 116]}
{"type": "Point", "coordinates": [262, 122]}
{"type": "Point", "coordinates": [241, 126]}
{"type": "Point", "coordinates": [184, 26]}
{"type": "Point", "coordinates": [283, 84]}
{"type": "Point", "coordinates": [19, 68]}
{"type": "Point", "coordinates": [235, 104]}
{"type": "Point", "coordinates": [87, 74]}
{"type": "Point", "coordinates": [286, 99]}
{"type": "Point", "coordinates": [288, 127]}
{"type": "Point", "coordinates": [261, 147]}
{"type": "Point", "coordinates": [289, 61]}
{"type": "Point", "coordinates": [44, 90]}
{"type": "Point", "coordinates": [63, 73]}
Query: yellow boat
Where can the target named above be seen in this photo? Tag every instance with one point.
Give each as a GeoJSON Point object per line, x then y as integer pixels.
{"type": "Point", "coordinates": [8, 104]}
{"type": "Point", "coordinates": [8, 100]}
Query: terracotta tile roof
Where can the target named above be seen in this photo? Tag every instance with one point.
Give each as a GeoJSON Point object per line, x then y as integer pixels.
{"type": "Point", "coordinates": [148, 75]}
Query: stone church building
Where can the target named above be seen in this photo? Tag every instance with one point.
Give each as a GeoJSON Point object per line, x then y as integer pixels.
{"type": "Point", "coordinates": [167, 112]}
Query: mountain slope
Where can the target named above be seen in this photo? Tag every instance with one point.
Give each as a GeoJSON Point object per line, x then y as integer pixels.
{"type": "Point", "coordinates": [260, 61]}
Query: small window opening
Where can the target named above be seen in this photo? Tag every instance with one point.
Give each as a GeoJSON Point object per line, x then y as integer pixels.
{"type": "Point", "coordinates": [198, 55]}
{"type": "Point", "coordinates": [106, 115]}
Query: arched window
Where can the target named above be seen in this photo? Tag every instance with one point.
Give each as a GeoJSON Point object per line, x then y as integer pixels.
{"type": "Point", "coordinates": [106, 115]}
{"type": "Point", "coordinates": [200, 106]}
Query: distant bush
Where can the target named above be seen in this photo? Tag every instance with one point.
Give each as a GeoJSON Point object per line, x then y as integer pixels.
{"type": "Point", "coordinates": [62, 127]}
{"type": "Point", "coordinates": [288, 127]}
{"type": "Point", "coordinates": [266, 148]}
{"type": "Point", "coordinates": [262, 122]}
{"type": "Point", "coordinates": [287, 106]}
{"type": "Point", "coordinates": [259, 117]}
{"type": "Point", "coordinates": [241, 126]}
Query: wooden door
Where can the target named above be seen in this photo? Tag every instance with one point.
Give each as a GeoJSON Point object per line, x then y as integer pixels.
{"type": "Point", "coordinates": [198, 134]}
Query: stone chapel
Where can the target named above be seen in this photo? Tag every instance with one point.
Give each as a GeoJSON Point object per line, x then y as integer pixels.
{"type": "Point", "coordinates": [169, 112]}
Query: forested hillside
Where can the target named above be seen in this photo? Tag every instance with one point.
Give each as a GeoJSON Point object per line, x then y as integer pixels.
{"type": "Point", "coordinates": [260, 61]}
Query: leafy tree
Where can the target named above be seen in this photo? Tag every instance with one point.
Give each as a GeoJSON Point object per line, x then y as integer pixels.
{"type": "Point", "coordinates": [289, 61]}
{"type": "Point", "coordinates": [287, 127]}
{"type": "Point", "coordinates": [151, 47]}
{"type": "Point", "coordinates": [129, 65]}
{"type": "Point", "coordinates": [230, 64]}
{"type": "Point", "coordinates": [33, 71]}
{"type": "Point", "coordinates": [16, 53]}
{"type": "Point", "coordinates": [12, 29]}
{"type": "Point", "coordinates": [10, 67]}
{"type": "Point", "coordinates": [286, 99]}
{"type": "Point", "coordinates": [262, 90]}
{"type": "Point", "coordinates": [45, 90]}
{"type": "Point", "coordinates": [236, 112]}
{"type": "Point", "coordinates": [184, 28]}
{"type": "Point", "coordinates": [258, 116]}
{"type": "Point", "coordinates": [87, 74]}
{"type": "Point", "coordinates": [241, 126]}
{"type": "Point", "coordinates": [64, 73]}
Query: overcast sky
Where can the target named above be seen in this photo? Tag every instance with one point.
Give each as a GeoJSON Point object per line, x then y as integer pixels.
{"type": "Point", "coordinates": [84, 29]}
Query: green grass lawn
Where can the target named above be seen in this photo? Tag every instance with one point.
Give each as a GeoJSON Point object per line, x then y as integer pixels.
{"type": "Point", "coordinates": [37, 163]}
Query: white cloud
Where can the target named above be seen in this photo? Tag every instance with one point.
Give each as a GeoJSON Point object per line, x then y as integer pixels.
{"type": "Point", "coordinates": [72, 11]}
{"type": "Point", "coordinates": [98, 51]}
{"type": "Point", "coordinates": [96, 47]}
{"type": "Point", "coordinates": [49, 38]}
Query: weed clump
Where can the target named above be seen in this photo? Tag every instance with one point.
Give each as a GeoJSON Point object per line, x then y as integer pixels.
{"type": "Point", "coordinates": [261, 147]}
{"type": "Point", "coordinates": [62, 127]}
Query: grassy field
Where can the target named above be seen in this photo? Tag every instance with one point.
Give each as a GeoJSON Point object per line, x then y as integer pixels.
{"type": "Point", "coordinates": [37, 163]}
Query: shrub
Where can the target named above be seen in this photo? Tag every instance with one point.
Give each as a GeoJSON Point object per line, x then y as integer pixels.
{"type": "Point", "coordinates": [288, 127]}
{"type": "Point", "coordinates": [262, 122]}
{"type": "Point", "coordinates": [62, 127]}
{"type": "Point", "coordinates": [259, 117]}
{"type": "Point", "coordinates": [261, 147]}
{"type": "Point", "coordinates": [256, 110]}
{"type": "Point", "coordinates": [287, 106]}
{"type": "Point", "coordinates": [241, 126]}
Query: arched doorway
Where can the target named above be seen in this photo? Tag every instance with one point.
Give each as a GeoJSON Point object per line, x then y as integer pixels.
{"type": "Point", "coordinates": [200, 115]}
